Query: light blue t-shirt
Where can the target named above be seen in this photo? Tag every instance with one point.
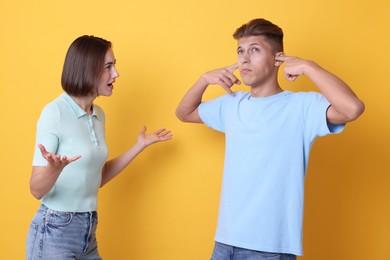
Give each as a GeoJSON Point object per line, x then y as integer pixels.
{"type": "Point", "coordinates": [64, 128]}
{"type": "Point", "coordinates": [268, 141]}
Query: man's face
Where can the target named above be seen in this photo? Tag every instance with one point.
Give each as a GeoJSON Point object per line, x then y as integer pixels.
{"type": "Point", "coordinates": [256, 60]}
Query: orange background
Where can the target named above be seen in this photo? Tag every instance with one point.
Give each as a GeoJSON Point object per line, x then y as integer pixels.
{"type": "Point", "coordinates": [164, 206]}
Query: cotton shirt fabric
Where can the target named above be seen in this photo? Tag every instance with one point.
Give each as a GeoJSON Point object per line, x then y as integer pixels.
{"type": "Point", "coordinates": [268, 141]}
{"type": "Point", "coordinates": [65, 128]}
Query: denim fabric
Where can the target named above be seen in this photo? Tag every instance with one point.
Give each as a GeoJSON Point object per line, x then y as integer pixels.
{"type": "Point", "coordinates": [62, 236]}
{"type": "Point", "coordinates": [226, 252]}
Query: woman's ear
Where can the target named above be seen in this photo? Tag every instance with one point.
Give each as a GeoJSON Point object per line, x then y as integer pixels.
{"type": "Point", "coordinates": [278, 62]}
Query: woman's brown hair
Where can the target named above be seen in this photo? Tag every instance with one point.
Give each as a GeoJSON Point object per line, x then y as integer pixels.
{"type": "Point", "coordinates": [83, 65]}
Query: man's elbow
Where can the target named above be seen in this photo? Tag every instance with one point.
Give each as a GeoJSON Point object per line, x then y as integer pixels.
{"type": "Point", "coordinates": [179, 116]}
{"type": "Point", "coordinates": [355, 111]}
{"type": "Point", "coordinates": [182, 116]}
{"type": "Point", "coordinates": [188, 118]}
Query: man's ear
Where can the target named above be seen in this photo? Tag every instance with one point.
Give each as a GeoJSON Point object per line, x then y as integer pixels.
{"type": "Point", "coordinates": [278, 62]}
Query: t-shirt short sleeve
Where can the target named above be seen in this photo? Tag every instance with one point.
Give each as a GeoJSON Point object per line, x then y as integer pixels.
{"type": "Point", "coordinates": [315, 116]}
{"type": "Point", "coordinates": [47, 133]}
{"type": "Point", "coordinates": [213, 112]}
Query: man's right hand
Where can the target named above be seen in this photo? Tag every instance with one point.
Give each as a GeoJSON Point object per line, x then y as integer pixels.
{"type": "Point", "coordinates": [223, 77]}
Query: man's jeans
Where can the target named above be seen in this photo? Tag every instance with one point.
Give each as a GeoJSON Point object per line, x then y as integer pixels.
{"type": "Point", "coordinates": [226, 252]}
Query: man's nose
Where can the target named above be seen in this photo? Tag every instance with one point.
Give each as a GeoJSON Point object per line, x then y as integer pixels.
{"type": "Point", "coordinates": [244, 59]}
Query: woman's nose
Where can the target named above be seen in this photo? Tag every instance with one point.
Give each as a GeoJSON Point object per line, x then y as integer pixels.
{"type": "Point", "coordinates": [115, 73]}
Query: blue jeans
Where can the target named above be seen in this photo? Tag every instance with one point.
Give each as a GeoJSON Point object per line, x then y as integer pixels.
{"type": "Point", "coordinates": [226, 252]}
{"type": "Point", "coordinates": [62, 235]}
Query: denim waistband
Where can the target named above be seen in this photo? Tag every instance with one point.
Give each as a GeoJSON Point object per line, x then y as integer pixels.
{"type": "Point", "coordinates": [44, 208]}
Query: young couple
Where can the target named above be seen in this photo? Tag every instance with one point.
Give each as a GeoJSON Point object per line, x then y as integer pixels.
{"type": "Point", "coordinates": [269, 132]}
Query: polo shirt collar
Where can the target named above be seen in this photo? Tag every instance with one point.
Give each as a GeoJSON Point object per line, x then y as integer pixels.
{"type": "Point", "coordinates": [77, 110]}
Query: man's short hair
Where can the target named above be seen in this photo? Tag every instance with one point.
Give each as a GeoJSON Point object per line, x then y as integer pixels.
{"type": "Point", "coordinates": [260, 26]}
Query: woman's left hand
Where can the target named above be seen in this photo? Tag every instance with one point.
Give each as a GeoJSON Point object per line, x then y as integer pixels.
{"type": "Point", "coordinates": [160, 135]}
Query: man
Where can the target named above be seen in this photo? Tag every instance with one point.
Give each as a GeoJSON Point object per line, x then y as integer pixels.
{"type": "Point", "coordinates": [269, 133]}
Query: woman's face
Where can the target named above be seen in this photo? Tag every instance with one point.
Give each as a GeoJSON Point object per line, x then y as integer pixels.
{"type": "Point", "coordinates": [109, 74]}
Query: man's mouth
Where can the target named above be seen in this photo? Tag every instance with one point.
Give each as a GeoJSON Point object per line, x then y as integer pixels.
{"type": "Point", "coordinates": [245, 70]}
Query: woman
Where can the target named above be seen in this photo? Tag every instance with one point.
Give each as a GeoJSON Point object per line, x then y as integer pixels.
{"type": "Point", "coordinates": [69, 163]}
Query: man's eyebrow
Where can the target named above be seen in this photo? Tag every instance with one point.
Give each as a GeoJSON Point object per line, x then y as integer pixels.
{"type": "Point", "coordinates": [251, 44]}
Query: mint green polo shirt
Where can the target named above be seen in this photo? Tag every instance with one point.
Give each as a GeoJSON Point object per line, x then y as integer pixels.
{"type": "Point", "coordinates": [65, 128]}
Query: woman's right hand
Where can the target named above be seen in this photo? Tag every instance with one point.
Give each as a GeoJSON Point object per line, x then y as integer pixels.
{"type": "Point", "coordinates": [43, 178]}
{"type": "Point", "coordinates": [56, 161]}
